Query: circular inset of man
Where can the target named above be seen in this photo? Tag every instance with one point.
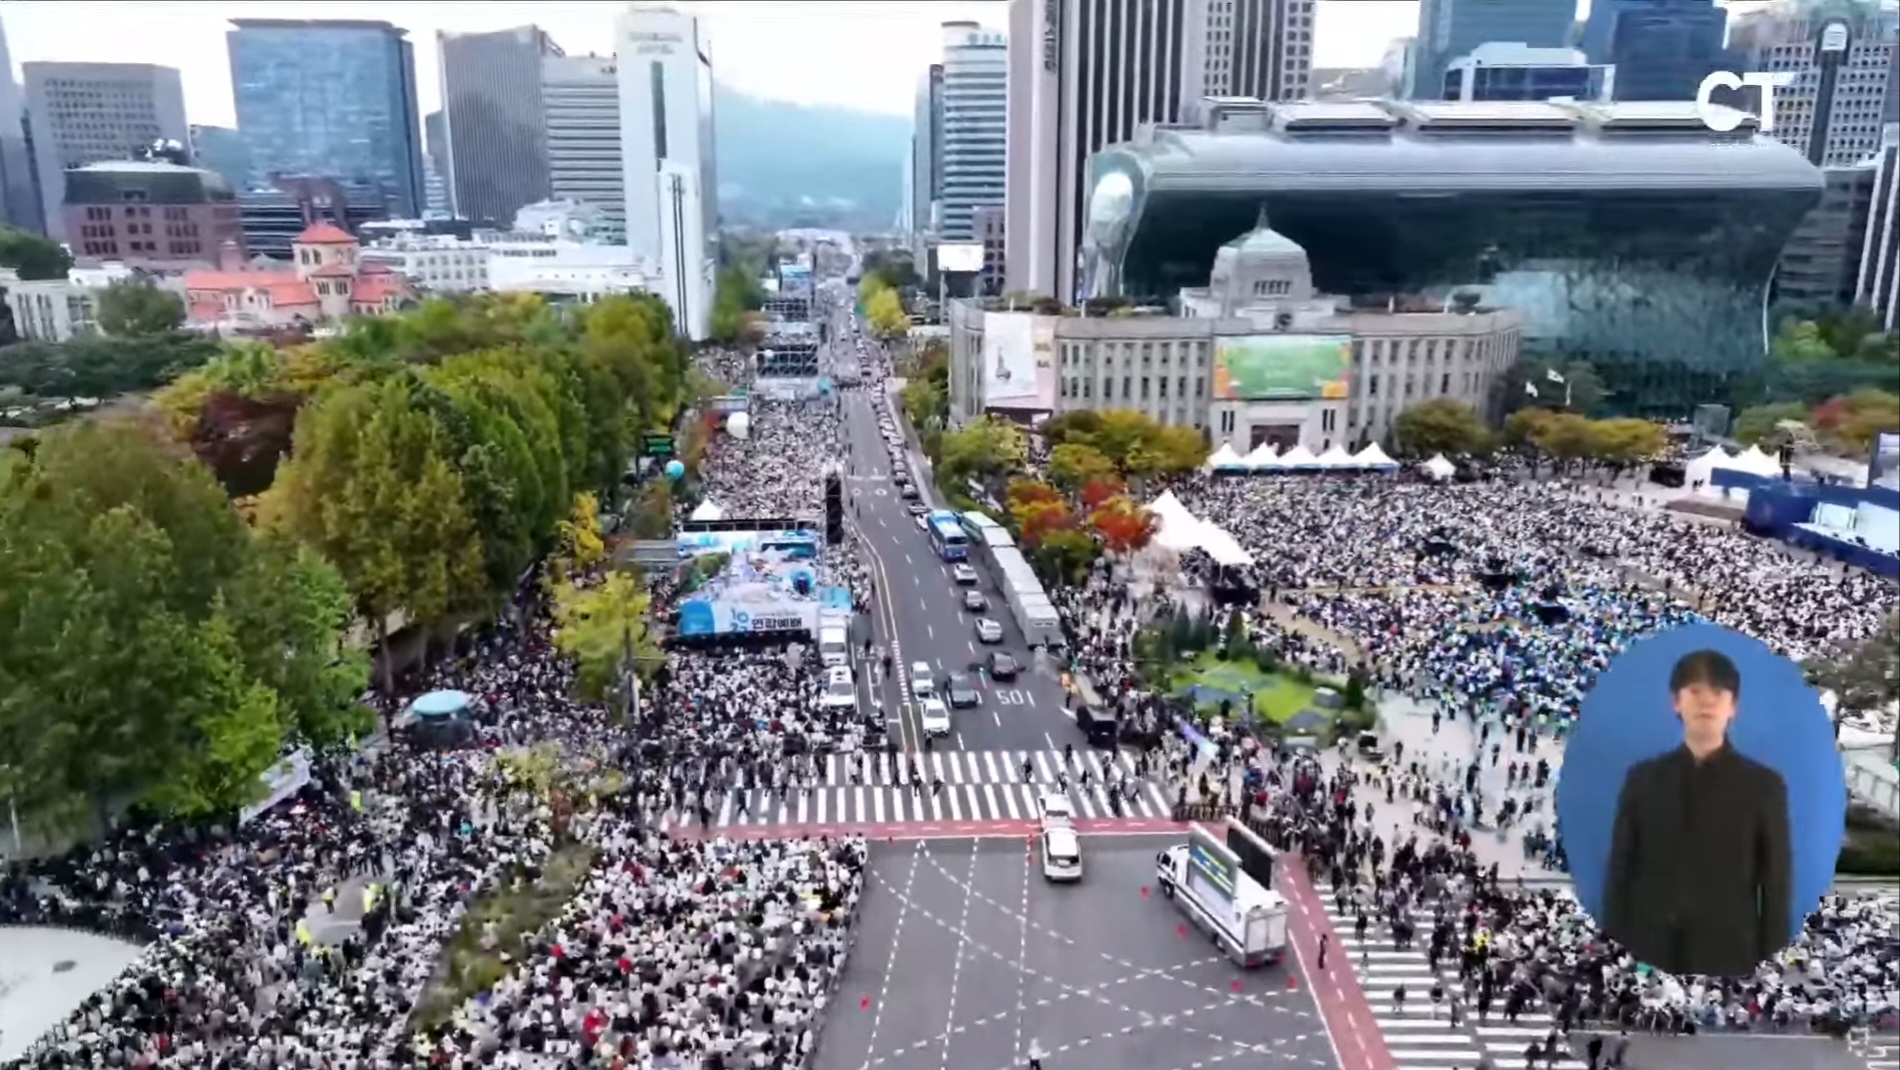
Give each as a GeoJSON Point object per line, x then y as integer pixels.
{"type": "Point", "coordinates": [1701, 803]}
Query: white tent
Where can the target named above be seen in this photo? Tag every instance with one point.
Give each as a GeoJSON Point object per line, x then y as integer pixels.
{"type": "Point", "coordinates": [1336, 458]}
{"type": "Point", "coordinates": [1754, 460]}
{"type": "Point", "coordinates": [1225, 458]}
{"type": "Point", "coordinates": [1699, 470]}
{"type": "Point", "coordinates": [1438, 467]}
{"type": "Point", "coordinates": [1375, 458]}
{"type": "Point", "coordinates": [708, 510]}
{"type": "Point", "coordinates": [1298, 457]}
{"type": "Point", "coordinates": [1263, 458]}
{"type": "Point", "coordinates": [1222, 547]}
{"type": "Point", "coordinates": [1177, 528]}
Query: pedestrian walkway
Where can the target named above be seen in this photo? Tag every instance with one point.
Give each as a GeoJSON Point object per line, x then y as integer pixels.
{"type": "Point", "coordinates": [1418, 1033]}
{"type": "Point", "coordinates": [949, 786]}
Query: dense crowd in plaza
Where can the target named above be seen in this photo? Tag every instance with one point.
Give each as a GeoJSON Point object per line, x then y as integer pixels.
{"type": "Point", "coordinates": [1396, 570]}
{"type": "Point", "coordinates": [672, 953]}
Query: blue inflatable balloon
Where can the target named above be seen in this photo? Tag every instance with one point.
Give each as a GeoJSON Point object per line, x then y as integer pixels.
{"type": "Point", "coordinates": [675, 469]}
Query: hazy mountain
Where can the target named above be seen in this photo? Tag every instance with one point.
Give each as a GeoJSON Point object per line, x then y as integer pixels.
{"type": "Point", "coordinates": [784, 164]}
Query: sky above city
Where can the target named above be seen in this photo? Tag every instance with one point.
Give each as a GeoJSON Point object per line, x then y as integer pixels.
{"type": "Point", "coordinates": [866, 54]}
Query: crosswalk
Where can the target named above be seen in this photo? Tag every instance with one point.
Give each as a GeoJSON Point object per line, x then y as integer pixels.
{"type": "Point", "coordinates": [950, 785]}
{"type": "Point", "coordinates": [1419, 1035]}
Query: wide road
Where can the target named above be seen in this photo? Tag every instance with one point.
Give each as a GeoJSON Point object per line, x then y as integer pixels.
{"type": "Point", "coordinates": [920, 616]}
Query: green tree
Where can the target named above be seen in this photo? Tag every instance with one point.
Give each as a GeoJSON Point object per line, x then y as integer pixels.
{"type": "Point", "coordinates": [1074, 466]}
{"type": "Point", "coordinates": [1440, 425]}
{"type": "Point", "coordinates": [1623, 443]}
{"type": "Point", "coordinates": [736, 292]}
{"type": "Point", "coordinates": [32, 256]}
{"type": "Point", "coordinates": [885, 314]}
{"type": "Point", "coordinates": [136, 309]}
{"type": "Point", "coordinates": [604, 628]}
{"type": "Point", "coordinates": [1758, 425]}
{"type": "Point", "coordinates": [238, 718]}
{"type": "Point", "coordinates": [290, 614]}
{"type": "Point", "coordinates": [1582, 386]}
{"type": "Point", "coordinates": [1063, 557]}
{"type": "Point", "coordinates": [986, 449]}
{"type": "Point", "coordinates": [370, 486]}
{"type": "Point", "coordinates": [1566, 438]}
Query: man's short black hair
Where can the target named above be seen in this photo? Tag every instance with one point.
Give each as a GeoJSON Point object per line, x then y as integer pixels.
{"type": "Point", "coordinates": [1708, 667]}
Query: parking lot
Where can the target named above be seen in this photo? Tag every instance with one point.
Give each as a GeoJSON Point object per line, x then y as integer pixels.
{"type": "Point", "coordinates": [965, 957]}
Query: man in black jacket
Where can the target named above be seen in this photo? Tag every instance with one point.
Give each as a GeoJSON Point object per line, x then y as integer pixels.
{"type": "Point", "coordinates": [1700, 872]}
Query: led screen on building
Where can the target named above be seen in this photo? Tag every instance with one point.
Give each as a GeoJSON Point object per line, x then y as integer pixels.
{"type": "Point", "coordinates": [1282, 367]}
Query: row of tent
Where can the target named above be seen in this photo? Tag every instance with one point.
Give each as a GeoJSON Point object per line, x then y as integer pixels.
{"type": "Point", "coordinates": [1751, 460]}
{"type": "Point", "coordinates": [1265, 458]}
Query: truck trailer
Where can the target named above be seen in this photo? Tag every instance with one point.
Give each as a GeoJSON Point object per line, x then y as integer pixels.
{"type": "Point", "coordinates": [1246, 920]}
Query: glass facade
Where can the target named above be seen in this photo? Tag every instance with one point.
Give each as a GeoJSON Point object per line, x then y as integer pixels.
{"type": "Point", "coordinates": [1662, 49]}
{"type": "Point", "coordinates": [333, 100]}
{"type": "Point", "coordinates": [1663, 290]}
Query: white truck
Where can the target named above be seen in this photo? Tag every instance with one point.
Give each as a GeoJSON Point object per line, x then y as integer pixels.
{"type": "Point", "coordinates": [834, 639]}
{"type": "Point", "coordinates": [1249, 924]}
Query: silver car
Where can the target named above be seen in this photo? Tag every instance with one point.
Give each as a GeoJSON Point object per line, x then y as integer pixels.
{"type": "Point", "coordinates": [988, 631]}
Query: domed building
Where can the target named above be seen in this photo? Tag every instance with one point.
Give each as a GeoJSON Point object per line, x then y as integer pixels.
{"type": "Point", "coordinates": [325, 282]}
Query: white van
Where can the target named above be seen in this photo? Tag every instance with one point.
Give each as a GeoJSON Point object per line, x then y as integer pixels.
{"type": "Point", "coordinates": [834, 646]}
{"type": "Point", "coordinates": [841, 689]}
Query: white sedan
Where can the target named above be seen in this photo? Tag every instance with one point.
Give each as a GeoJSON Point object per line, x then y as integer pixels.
{"type": "Point", "coordinates": [921, 685]}
{"type": "Point", "coordinates": [935, 717]}
{"type": "Point", "coordinates": [1061, 855]}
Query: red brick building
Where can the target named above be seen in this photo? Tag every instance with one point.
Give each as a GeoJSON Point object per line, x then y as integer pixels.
{"type": "Point", "coordinates": [149, 214]}
{"type": "Point", "coordinates": [324, 282]}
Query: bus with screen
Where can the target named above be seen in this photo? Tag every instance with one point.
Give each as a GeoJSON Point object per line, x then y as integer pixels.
{"type": "Point", "coordinates": [947, 537]}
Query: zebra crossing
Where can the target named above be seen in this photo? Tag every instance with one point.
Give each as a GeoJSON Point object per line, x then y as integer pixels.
{"type": "Point", "coordinates": [1878, 1056]}
{"type": "Point", "coordinates": [1418, 1034]}
{"type": "Point", "coordinates": [950, 786]}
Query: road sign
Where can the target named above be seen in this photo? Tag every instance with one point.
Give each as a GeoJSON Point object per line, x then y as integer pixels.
{"type": "Point", "coordinates": [658, 445]}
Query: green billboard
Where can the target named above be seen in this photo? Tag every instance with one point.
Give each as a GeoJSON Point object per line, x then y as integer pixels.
{"type": "Point", "coordinates": [1282, 367]}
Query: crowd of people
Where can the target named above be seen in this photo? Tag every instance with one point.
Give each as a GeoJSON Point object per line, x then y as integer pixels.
{"type": "Point", "coordinates": [1497, 603]}
{"type": "Point", "coordinates": [671, 953]}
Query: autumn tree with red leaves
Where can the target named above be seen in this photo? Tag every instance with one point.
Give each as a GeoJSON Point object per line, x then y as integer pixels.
{"type": "Point", "coordinates": [1125, 527]}
{"type": "Point", "coordinates": [1100, 491]}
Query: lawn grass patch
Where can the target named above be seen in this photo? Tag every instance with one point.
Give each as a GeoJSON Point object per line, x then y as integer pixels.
{"type": "Point", "coordinates": [517, 906]}
{"type": "Point", "coordinates": [1277, 696]}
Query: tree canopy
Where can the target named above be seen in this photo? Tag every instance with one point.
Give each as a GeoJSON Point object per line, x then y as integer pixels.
{"type": "Point", "coordinates": [34, 257]}
{"type": "Point", "coordinates": [883, 309]}
{"type": "Point", "coordinates": [1130, 443]}
{"type": "Point", "coordinates": [154, 647]}
{"type": "Point", "coordinates": [1440, 425]}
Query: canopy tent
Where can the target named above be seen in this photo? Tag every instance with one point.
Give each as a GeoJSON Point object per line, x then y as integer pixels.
{"type": "Point", "coordinates": [1299, 457]}
{"type": "Point", "coordinates": [1336, 458]}
{"type": "Point", "coordinates": [1753, 461]}
{"type": "Point", "coordinates": [1177, 528]}
{"type": "Point", "coordinates": [1699, 469]}
{"type": "Point", "coordinates": [1438, 467]}
{"type": "Point", "coordinates": [1222, 547]}
{"type": "Point", "coordinates": [708, 510]}
{"type": "Point", "coordinates": [1372, 457]}
{"type": "Point", "coordinates": [1225, 459]}
{"type": "Point", "coordinates": [1263, 458]}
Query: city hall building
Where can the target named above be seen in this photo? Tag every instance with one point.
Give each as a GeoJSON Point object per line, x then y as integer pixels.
{"type": "Point", "coordinates": [1628, 235]}
{"type": "Point", "coordinates": [1255, 355]}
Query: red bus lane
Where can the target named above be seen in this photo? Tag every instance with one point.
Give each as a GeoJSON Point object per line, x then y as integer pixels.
{"type": "Point", "coordinates": [1356, 1036]}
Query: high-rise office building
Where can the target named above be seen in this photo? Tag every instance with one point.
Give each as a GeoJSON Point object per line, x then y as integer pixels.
{"type": "Point", "coordinates": [975, 117]}
{"type": "Point", "coordinates": [19, 207]}
{"type": "Point", "coordinates": [1084, 74]}
{"type": "Point", "coordinates": [438, 198]}
{"type": "Point", "coordinates": [582, 98]}
{"type": "Point", "coordinates": [84, 113]}
{"type": "Point", "coordinates": [1821, 264]}
{"type": "Point", "coordinates": [221, 149]}
{"type": "Point", "coordinates": [1448, 29]}
{"type": "Point", "coordinates": [1258, 48]}
{"type": "Point", "coordinates": [497, 125]}
{"type": "Point", "coordinates": [1844, 67]}
{"type": "Point", "coordinates": [332, 99]}
{"type": "Point", "coordinates": [925, 186]}
{"type": "Point", "coordinates": [666, 150]}
{"type": "Point", "coordinates": [1661, 49]}
{"type": "Point", "coordinates": [1878, 287]}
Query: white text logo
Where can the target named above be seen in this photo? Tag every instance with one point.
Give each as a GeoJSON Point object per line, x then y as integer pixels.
{"type": "Point", "coordinates": [1721, 119]}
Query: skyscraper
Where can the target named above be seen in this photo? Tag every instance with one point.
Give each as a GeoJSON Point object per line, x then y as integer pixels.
{"type": "Point", "coordinates": [335, 99]}
{"type": "Point", "coordinates": [1661, 49]}
{"type": "Point", "coordinates": [1259, 48]}
{"type": "Point", "coordinates": [497, 124]}
{"type": "Point", "coordinates": [666, 150]}
{"type": "Point", "coordinates": [1084, 74]}
{"type": "Point", "coordinates": [926, 153]}
{"type": "Point", "coordinates": [84, 113]}
{"type": "Point", "coordinates": [1448, 29]}
{"type": "Point", "coordinates": [975, 115]}
{"type": "Point", "coordinates": [582, 98]}
{"type": "Point", "coordinates": [1844, 65]}
{"type": "Point", "coordinates": [1878, 287]}
{"type": "Point", "coordinates": [19, 207]}
{"type": "Point", "coordinates": [438, 198]}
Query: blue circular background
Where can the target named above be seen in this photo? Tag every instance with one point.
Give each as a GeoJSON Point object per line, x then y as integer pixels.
{"type": "Point", "coordinates": [1779, 722]}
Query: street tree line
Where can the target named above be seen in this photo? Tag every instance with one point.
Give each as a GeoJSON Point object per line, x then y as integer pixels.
{"type": "Point", "coordinates": [883, 307]}
{"type": "Point", "coordinates": [137, 345]}
{"type": "Point", "coordinates": [1453, 428]}
{"type": "Point", "coordinates": [179, 585]}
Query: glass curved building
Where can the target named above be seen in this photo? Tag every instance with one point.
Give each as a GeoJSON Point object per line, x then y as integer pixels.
{"type": "Point", "coordinates": [1627, 235]}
